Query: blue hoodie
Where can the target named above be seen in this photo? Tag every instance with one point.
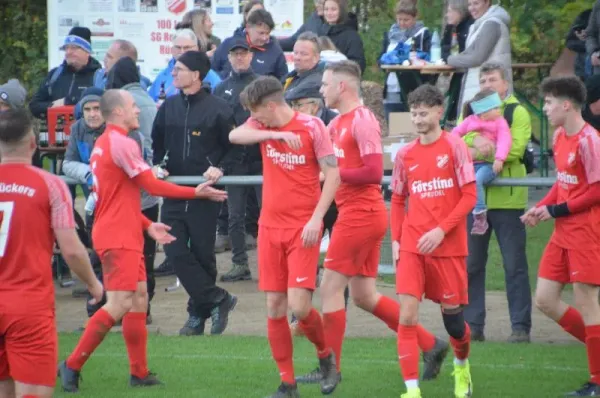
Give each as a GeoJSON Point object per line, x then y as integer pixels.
{"type": "Point", "coordinates": [267, 61]}
{"type": "Point", "coordinates": [165, 77]}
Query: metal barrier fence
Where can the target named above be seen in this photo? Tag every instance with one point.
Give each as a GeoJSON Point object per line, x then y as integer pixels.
{"type": "Point", "coordinates": [386, 266]}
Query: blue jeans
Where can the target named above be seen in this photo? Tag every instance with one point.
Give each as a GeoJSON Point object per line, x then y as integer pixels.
{"type": "Point", "coordinates": [484, 174]}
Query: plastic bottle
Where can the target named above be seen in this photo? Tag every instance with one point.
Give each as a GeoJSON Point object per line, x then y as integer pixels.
{"type": "Point", "coordinates": [162, 95]}
{"type": "Point", "coordinates": [436, 48]}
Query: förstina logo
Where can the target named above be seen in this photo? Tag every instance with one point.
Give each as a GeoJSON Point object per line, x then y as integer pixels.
{"type": "Point", "coordinates": [566, 178]}
{"type": "Point", "coordinates": [432, 188]}
{"type": "Point", "coordinates": [285, 159]}
{"type": "Point", "coordinates": [339, 153]}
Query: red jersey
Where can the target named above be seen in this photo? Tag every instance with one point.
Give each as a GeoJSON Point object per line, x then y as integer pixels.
{"type": "Point", "coordinates": [33, 203]}
{"type": "Point", "coordinates": [115, 160]}
{"type": "Point", "coordinates": [432, 177]}
{"type": "Point", "coordinates": [291, 188]}
{"type": "Point", "coordinates": [577, 159]}
{"type": "Point", "coordinates": [356, 134]}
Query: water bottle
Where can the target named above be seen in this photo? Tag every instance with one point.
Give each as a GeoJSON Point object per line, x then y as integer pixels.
{"type": "Point", "coordinates": [90, 204]}
{"type": "Point", "coordinates": [436, 48]}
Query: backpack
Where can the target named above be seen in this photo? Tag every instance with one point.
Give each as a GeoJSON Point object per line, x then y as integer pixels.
{"type": "Point", "coordinates": [55, 75]}
{"type": "Point", "coordinates": [528, 158]}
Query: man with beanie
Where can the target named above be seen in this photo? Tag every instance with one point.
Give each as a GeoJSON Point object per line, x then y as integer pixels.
{"type": "Point", "coordinates": [591, 109]}
{"type": "Point", "coordinates": [249, 163]}
{"type": "Point", "coordinates": [65, 84]}
{"type": "Point", "coordinates": [191, 135]}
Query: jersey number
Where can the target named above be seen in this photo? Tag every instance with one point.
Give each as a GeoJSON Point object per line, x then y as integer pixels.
{"type": "Point", "coordinates": [6, 212]}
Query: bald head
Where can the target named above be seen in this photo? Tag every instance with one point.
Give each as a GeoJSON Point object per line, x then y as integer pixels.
{"type": "Point", "coordinates": [118, 107]}
{"type": "Point", "coordinates": [110, 101]}
{"type": "Point", "coordinates": [118, 49]}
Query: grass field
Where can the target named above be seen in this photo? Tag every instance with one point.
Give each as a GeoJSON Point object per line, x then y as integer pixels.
{"type": "Point", "coordinates": [231, 367]}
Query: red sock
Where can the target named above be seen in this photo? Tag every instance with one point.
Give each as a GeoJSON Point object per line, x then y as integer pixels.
{"type": "Point", "coordinates": [388, 310]}
{"type": "Point", "coordinates": [572, 323]}
{"type": "Point", "coordinates": [312, 327]}
{"type": "Point", "coordinates": [30, 396]}
{"type": "Point", "coordinates": [334, 324]}
{"type": "Point", "coordinates": [98, 325]}
{"type": "Point", "coordinates": [135, 335]}
{"type": "Point", "coordinates": [463, 346]}
{"type": "Point", "coordinates": [280, 340]}
{"type": "Point", "coordinates": [408, 352]}
{"type": "Point", "coordinates": [592, 343]}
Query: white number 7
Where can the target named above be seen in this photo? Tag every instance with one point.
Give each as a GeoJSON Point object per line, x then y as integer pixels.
{"type": "Point", "coordinates": [6, 212]}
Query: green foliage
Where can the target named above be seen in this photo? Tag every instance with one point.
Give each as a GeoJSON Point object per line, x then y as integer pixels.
{"type": "Point", "coordinates": [23, 43]}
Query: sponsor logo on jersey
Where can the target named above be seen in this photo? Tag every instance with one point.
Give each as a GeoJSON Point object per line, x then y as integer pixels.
{"type": "Point", "coordinates": [442, 161]}
{"type": "Point", "coordinates": [339, 153]}
{"type": "Point", "coordinates": [566, 178]}
{"type": "Point", "coordinates": [286, 160]}
{"type": "Point", "coordinates": [432, 188]}
{"type": "Point", "coordinates": [571, 158]}
{"type": "Point", "coordinates": [16, 189]}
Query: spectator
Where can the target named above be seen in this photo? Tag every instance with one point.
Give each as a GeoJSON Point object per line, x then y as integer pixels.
{"type": "Point", "coordinates": [505, 207]}
{"type": "Point", "coordinates": [454, 41]}
{"type": "Point", "coordinates": [591, 110]}
{"type": "Point", "coordinates": [342, 29]}
{"type": "Point", "coordinates": [405, 30]}
{"type": "Point", "coordinates": [307, 66]}
{"type": "Point", "coordinates": [64, 84]}
{"type": "Point", "coordinates": [12, 96]}
{"type": "Point", "coordinates": [592, 40]}
{"type": "Point", "coordinates": [183, 40]}
{"type": "Point", "coordinates": [199, 21]}
{"type": "Point", "coordinates": [250, 6]}
{"type": "Point", "coordinates": [488, 41]}
{"type": "Point", "coordinates": [249, 163]}
{"type": "Point", "coordinates": [118, 49]}
{"type": "Point", "coordinates": [268, 57]}
{"type": "Point", "coordinates": [191, 133]}
{"type": "Point", "coordinates": [315, 24]}
{"type": "Point", "coordinates": [576, 42]}
{"type": "Point", "coordinates": [329, 52]}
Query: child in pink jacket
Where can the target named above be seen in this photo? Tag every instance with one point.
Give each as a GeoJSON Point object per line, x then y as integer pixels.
{"type": "Point", "coordinates": [484, 116]}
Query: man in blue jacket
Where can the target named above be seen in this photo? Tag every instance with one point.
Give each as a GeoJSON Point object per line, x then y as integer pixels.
{"type": "Point", "coordinates": [184, 40]}
{"type": "Point", "coordinates": [268, 59]}
{"type": "Point", "coordinates": [118, 49]}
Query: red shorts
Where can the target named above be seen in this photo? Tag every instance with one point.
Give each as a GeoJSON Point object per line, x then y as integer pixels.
{"type": "Point", "coordinates": [122, 269]}
{"type": "Point", "coordinates": [440, 279]}
{"type": "Point", "coordinates": [570, 265]}
{"type": "Point", "coordinates": [356, 243]}
{"type": "Point", "coordinates": [284, 262]}
{"type": "Point", "coordinates": [28, 349]}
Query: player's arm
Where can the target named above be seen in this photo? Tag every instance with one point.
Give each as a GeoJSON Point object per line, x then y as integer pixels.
{"type": "Point", "coordinates": [250, 133]}
{"type": "Point", "coordinates": [323, 149]}
{"type": "Point", "coordinates": [550, 198]}
{"type": "Point", "coordinates": [368, 139]}
{"type": "Point", "coordinates": [465, 175]}
{"type": "Point", "coordinates": [399, 193]}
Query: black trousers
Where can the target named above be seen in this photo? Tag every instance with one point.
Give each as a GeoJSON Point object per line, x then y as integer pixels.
{"type": "Point", "coordinates": [194, 224]}
{"type": "Point", "coordinates": [150, 252]}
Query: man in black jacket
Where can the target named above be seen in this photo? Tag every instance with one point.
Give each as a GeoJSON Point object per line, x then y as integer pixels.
{"type": "Point", "coordinates": [249, 163]}
{"type": "Point", "coordinates": [191, 133]}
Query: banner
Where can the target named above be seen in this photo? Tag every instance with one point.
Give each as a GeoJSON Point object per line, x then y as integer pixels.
{"type": "Point", "coordinates": [149, 24]}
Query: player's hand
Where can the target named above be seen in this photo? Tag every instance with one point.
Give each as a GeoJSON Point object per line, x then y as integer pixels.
{"type": "Point", "coordinates": [160, 233]}
{"type": "Point", "coordinates": [497, 166]}
{"type": "Point", "coordinates": [96, 291]}
{"type": "Point", "coordinates": [542, 213]}
{"type": "Point", "coordinates": [529, 218]}
{"type": "Point", "coordinates": [321, 176]}
{"type": "Point", "coordinates": [291, 139]}
{"type": "Point", "coordinates": [205, 191]}
{"type": "Point", "coordinates": [213, 174]}
{"type": "Point", "coordinates": [395, 251]}
{"type": "Point", "coordinates": [430, 240]}
{"type": "Point", "coordinates": [312, 232]}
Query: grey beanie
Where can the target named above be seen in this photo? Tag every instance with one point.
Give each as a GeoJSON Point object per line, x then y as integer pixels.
{"type": "Point", "coordinates": [13, 94]}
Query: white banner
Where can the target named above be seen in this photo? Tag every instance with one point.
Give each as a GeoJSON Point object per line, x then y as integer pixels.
{"type": "Point", "coordinates": [148, 24]}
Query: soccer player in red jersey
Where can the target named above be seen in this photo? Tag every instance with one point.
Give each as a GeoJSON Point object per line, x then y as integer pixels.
{"type": "Point", "coordinates": [118, 174]}
{"type": "Point", "coordinates": [436, 173]}
{"type": "Point", "coordinates": [573, 253]}
{"type": "Point", "coordinates": [353, 254]}
{"type": "Point", "coordinates": [295, 147]}
{"type": "Point", "coordinates": [35, 209]}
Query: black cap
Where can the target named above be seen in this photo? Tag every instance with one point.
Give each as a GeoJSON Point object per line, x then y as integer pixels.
{"type": "Point", "coordinates": [239, 42]}
{"type": "Point", "coordinates": [196, 61]}
{"type": "Point", "coordinates": [307, 89]}
{"type": "Point", "coordinates": [592, 85]}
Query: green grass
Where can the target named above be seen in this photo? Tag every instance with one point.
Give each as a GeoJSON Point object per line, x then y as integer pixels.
{"type": "Point", "coordinates": [242, 367]}
{"type": "Point", "coordinates": [537, 238]}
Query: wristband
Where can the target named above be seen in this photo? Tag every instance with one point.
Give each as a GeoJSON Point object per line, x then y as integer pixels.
{"type": "Point", "coordinates": [559, 210]}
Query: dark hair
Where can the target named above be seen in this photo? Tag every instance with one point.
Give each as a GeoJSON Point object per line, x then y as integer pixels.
{"type": "Point", "coordinates": [490, 67]}
{"type": "Point", "coordinates": [261, 17]}
{"type": "Point", "coordinates": [110, 100]}
{"type": "Point", "coordinates": [343, 6]}
{"type": "Point", "coordinates": [261, 90]}
{"type": "Point", "coordinates": [15, 124]}
{"type": "Point", "coordinates": [427, 95]}
{"type": "Point", "coordinates": [570, 88]}
{"type": "Point", "coordinates": [467, 110]}
{"type": "Point", "coordinates": [248, 6]}
{"type": "Point", "coordinates": [347, 67]}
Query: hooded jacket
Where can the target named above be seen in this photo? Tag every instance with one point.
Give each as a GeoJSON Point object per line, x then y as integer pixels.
{"type": "Point", "coordinates": [295, 78]}
{"type": "Point", "coordinates": [268, 60]}
{"type": "Point", "coordinates": [77, 157]}
{"type": "Point", "coordinates": [347, 40]}
{"type": "Point", "coordinates": [69, 85]}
